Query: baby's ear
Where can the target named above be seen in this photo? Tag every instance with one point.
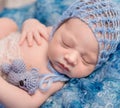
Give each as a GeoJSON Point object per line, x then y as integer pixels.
{"type": "Point", "coordinates": [6, 68]}
{"type": "Point", "coordinates": [18, 66]}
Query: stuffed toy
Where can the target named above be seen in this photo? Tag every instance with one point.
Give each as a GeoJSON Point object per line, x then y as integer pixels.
{"type": "Point", "coordinates": [30, 80]}
{"type": "Point", "coordinates": [18, 75]}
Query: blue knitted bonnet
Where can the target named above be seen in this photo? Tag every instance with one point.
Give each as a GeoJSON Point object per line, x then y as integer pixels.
{"type": "Point", "coordinates": [103, 18]}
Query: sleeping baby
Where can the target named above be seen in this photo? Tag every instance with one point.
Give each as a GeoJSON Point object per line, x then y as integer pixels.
{"type": "Point", "coordinates": [81, 42]}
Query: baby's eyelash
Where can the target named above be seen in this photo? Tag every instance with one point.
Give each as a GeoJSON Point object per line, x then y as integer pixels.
{"type": "Point", "coordinates": [65, 45]}
{"type": "Point", "coordinates": [85, 60]}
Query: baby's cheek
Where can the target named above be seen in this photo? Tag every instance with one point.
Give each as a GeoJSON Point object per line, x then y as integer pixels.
{"type": "Point", "coordinates": [81, 71]}
{"type": "Point", "coordinates": [88, 71]}
{"type": "Point", "coordinates": [56, 51]}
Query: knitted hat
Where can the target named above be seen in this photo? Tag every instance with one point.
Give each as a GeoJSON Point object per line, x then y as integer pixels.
{"type": "Point", "coordinates": [103, 18]}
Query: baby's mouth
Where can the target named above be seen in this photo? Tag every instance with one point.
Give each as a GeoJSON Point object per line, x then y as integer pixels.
{"type": "Point", "coordinates": [62, 67]}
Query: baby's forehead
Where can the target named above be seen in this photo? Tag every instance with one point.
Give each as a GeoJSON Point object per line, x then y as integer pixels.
{"type": "Point", "coordinates": [78, 26]}
{"type": "Point", "coordinates": [81, 33]}
{"type": "Point", "coordinates": [76, 23]}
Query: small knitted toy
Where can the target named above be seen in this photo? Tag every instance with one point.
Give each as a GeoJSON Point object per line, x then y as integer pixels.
{"type": "Point", "coordinates": [19, 76]}
{"type": "Point", "coordinates": [30, 80]}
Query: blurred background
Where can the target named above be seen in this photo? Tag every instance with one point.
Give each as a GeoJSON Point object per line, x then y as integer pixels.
{"type": "Point", "coordinates": [18, 10]}
{"type": "Point", "coordinates": [46, 11]}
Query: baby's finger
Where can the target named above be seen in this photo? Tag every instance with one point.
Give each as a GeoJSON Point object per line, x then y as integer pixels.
{"type": "Point", "coordinates": [44, 34]}
{"type": "Point", "coordinates": [37, 38]}
{"type": "Point", "coordinates": [23, 37]}
{"type": "Point", "coordinates": [30, 39]}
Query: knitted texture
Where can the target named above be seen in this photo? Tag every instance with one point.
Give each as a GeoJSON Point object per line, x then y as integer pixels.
{"type": "Point", "coordinates": [29, 80]}
{"type": "Point", "coordinates": [103, 18]}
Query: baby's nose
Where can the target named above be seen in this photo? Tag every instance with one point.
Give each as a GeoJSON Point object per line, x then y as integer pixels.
{"type": "Point", "coordinates": [72, 58]}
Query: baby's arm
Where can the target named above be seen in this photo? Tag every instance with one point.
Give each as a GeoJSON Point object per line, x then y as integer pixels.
{"type": "Point", "coordinates": [32, 30]}
{"type": "Point", "coordinates": [14, 97]}
{"type": "Point", "coordinates": [7, 26]}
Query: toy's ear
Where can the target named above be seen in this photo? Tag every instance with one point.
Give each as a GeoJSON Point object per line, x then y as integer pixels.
{"type": "Point", "coordinates": [18, 66]}
{"type": "Point", "coordinates": [6, 68]}
{"type": "Point", "coordinates": [35, 71]}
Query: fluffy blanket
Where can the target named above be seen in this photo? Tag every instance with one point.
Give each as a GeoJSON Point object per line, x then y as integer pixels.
{"type": "Point", "coordinates": [99, 90]}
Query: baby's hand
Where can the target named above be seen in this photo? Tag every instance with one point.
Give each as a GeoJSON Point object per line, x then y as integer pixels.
{"type": "Point", "coordinates": [33, 30]}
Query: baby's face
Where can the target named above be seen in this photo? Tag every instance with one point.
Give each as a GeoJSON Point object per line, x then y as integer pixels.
{"type": "Point", "coordinates": [73, 51]}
